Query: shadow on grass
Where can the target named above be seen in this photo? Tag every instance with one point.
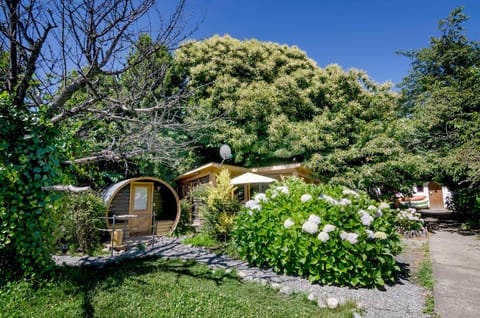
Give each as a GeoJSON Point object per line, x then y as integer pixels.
{"type": "Point", "coordinates": [87, 280]}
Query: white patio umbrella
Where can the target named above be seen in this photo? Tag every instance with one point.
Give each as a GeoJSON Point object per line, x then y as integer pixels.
{"type": "Point", "coordinates": [248, 178]}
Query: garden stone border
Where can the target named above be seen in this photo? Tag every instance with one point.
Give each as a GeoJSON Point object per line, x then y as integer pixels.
{"type": "Point", "coordinates": [400, 300]}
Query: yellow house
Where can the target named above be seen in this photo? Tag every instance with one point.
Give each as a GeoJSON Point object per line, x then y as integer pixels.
{"type": "Point", "coordinates": [207, 173]}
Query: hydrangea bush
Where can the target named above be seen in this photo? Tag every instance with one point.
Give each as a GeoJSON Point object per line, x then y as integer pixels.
{"type": "Point", "coordinates": [409, 220]}
{"type": "Point", "coordinates": [328, 234]}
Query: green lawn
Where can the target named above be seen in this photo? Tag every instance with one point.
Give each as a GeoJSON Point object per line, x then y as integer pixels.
{"type": "Point", "coordinates": [153, 288]}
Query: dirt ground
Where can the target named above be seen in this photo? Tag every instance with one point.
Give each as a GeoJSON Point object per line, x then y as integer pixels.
{"type": "Point", "coordinates": [414, 253]}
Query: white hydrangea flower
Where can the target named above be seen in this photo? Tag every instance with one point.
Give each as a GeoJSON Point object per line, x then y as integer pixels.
{"type": "Point", "coordinates": [261, 197]}
{"type": "Point", "coordinates": [350, 192]}
{"type": "Point", "coordinates": [288, 223]}
{"type": "Point", "coordinates": [310, 227]}
{"type": "Point", "coordinates": [306, 197]}
{"type": "Point", "coordinates": [384, 205]}
{"type": "Point", "coordinates": [314, 219]}
{"type": "Point", "coordinates": [366, 219]}
{"type": "Point", "coordinates": [378, 213]}
{"type": "Point", "coordinates": [250, 212]}
{"type": "Point", "coordinates": [283, 189]}
{"type": "Point", "coordinates": [343, 235]}
{"type": "Point", "coordinates": [251, 203]}
{"type": "Point", "coordinates": [362, 212]}
{"type": "Point", "coordinates": [370, 234]}
{"type": "Point", "coordinates": [370, 207]}
{"type": "Point", "coordinates": [380, 235]}
{"type": "Point", "coordinates": [344, 201]}
{"type": "Point", "coordinates": [323, 236]}
{"type": "Point", "coordinates": [329, 228]}
{"type": "Point", "coordinates": [329, 199]}
{"type": "Point", "coordinates": [352, 238]}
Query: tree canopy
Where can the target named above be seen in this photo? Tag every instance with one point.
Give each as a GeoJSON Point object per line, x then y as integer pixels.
{"type": "Point", "coordinates": [75, 90]}
{"type": "Point", "coordinates": [441, 99]}
{"type": "Point", "coordinates": [279, 106]}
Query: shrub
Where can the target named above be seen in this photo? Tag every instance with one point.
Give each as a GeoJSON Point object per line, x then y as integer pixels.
{"type": "Point", "coordinates": [466, 204]}
{"type": "Point", "coordinates": [82, 217]}
{"type": "Point", "coordinates": [28, 162]}
{"type": "Point", "coordinates": [409, 220]}
{"type": "Point", "coordinates": [184, 224]}
{"type": "Point", "coordinates": [221, 207]}
{"type": "Point", "coordinates": [201, 240]}
{"type": "Point", "coordinates": [328, 234]}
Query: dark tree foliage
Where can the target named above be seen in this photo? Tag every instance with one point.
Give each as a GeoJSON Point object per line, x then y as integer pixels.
{"type": "Point", "coordinates": [441, 98]}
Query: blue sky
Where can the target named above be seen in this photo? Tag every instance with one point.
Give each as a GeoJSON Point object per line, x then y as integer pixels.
{"type": "Point", "coordinates": [363, 34]}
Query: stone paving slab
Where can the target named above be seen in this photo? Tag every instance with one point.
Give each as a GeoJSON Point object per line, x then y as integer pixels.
{"type": "Point", "coordinates": [456, 269]}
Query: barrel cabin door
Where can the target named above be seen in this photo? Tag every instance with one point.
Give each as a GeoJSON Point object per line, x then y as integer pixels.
{"type": "Point", "coordinates": [141, 199]}
{"type": "Point", "coordinates": [435, 196]}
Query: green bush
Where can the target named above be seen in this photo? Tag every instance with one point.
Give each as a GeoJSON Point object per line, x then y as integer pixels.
{"type": "Point", "coordinates": [29, 161]}
{"type": "Point", "coordinates": [201, 240]}
{"type": "Point", "coordinates": [184, 224]}
{"type": "Point", "coordinates": [328, 234]}
{"type": "Point", "coordinates": [83, 214]}
{"type": "Point", "coordinates": [409, 220]}
{"type": "Point", "coordinates": [466, 204]}
{"type": "Point", "coordinates": [221, 208]}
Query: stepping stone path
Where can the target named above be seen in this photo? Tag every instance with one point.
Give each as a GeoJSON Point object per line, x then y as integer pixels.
{"type": "Point", "coordinates": [402, 299]}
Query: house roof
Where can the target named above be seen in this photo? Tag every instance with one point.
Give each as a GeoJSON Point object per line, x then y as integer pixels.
{"type": "Point", "coordinates": [210, 167]}
{"type": "Point", "coordinates": [213, 167]}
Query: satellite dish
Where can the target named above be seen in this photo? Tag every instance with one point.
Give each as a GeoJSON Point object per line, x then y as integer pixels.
{"type": "Point", "coordinates": [225, 152]}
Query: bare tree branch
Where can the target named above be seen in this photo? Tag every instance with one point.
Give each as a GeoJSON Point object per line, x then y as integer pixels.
{"type": "Point", "coordinates": [87, 63]}
{"type": "Point", "coordinates": [66, 188]}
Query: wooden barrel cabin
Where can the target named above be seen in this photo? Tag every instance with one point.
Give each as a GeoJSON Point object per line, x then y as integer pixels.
{"type": "Point", "coordinates": [142, 206]}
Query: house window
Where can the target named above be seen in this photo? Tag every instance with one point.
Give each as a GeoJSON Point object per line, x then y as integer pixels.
{"type": "Point", "coordinates": [140, 198]}
{"type": "Point", "coordinates": [420, 188]}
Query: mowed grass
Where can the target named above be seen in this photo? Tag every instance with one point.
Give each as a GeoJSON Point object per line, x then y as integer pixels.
{"type": "Point", "coordinates": [154, 288]}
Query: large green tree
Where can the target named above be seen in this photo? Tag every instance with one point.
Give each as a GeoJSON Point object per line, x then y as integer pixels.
{"type": "Point", "coordinates": [248, 84]}
{"type": "Point", "coordinates": [441, 99]}
{"type": "Point", "coordinates": [279, 106]}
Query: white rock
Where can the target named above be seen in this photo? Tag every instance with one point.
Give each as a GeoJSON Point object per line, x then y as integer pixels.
{"type": "Point", "coordinates": [286, 290]}
{"type": "Point", "coordinates": [241, 275]}
{"type": "Point", "coordinates": [332, 302]}
{"type": "Point", "coordinates": [321, 304]}
{"type": "Point", "coordinates": [311, 297]}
